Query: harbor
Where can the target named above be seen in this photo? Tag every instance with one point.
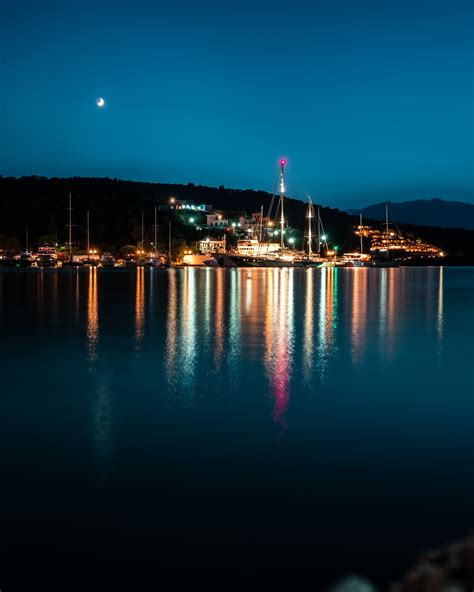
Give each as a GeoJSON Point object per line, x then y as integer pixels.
{"type": "Point", "coordinates": [256, 239]}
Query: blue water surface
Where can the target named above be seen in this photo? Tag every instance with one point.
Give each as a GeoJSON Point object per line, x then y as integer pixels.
{"type": "Point", "coordinates": [327, 407]}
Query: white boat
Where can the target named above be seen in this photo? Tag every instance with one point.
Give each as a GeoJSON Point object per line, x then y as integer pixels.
{"type": "Point", "coordinates": [253, 253]}
{"type": "Point", "coordinates": [107, 260]}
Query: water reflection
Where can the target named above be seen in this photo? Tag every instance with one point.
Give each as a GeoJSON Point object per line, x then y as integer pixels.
{"type": "Point", "coordinates": [279, 338]}
{"type": "Point", "coordinates": [327, 321]}
{"type": "Point", "coordinates": [188, 350]}
{"type": "Point", "coordinates": [440, 312]}
{"type": "Point", "coordinates": [139, 306]}
{"type": "Point", "coordinates": [359, 313]}
{"type": "Point", "coordinates": [219, 320]}
{"type": "Point", "coordinates": [308, 326]}
{"type": "Point", "coordinates": [390, 282]}
{"type": "Point", "coordinates": [171, 329]}
{"type": "Point", "coordinates": [235, 320]}
{"type": "Point", "coordinates": [92, 316]}
{"type": "Point", "coordinates": [102, 413]}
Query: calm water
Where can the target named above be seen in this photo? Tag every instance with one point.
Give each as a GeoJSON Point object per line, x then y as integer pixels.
{"type": "Point", "coordinates": [328, 407]}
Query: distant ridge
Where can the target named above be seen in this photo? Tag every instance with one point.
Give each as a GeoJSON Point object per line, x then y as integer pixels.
{"type": "Point", "coordinates": [423, 212]}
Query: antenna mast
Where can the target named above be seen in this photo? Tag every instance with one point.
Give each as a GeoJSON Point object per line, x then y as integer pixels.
{"type": "Point", "coordinates": [360, 234]}
{"type": "Point", "coordinates": [155, 231]}
{"type": "Point", "coordinates": [70, 226]}
{"type": "Point", "coordinates": [169, 241]}
{"type": "Point", "coordinates": [88, 237]}
{"type": "Point", "coordinates": [310, 234]}
{"type": "Point", "coordinates": [282, 199]}
{"type": "Point", "coordinates": [319, 233]}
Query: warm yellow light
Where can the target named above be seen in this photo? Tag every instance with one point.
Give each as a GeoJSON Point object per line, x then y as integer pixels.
{"type": "Point", "coordinates": [172, 199]}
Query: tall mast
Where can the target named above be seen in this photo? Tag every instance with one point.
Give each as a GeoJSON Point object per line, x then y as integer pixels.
{"type": "Point", "coordinates": [360, 234]}
{"type": "Point", "coordinates": [169, 241]}
{"type": "Point", "coordinates": [27, 239]}
{"type": "Point", "coordinates": [282, 199]}
{"type": "Point", "coordinates": [319, 233]}
{"type": "Point", "coordinates": [143, 230]}
{"type": "Point", "coordinates": [70, 226]}
{"type": "Point", "coordinates": [155, 232]}
{"type": "Point", "coordinates": [310, 235]}
{"type": "Point", "coordinates": [261, 225]}
{"type": "Point", "coordinates": [88, 237]}
{"type": "Point", "coordinates": [386, 218]}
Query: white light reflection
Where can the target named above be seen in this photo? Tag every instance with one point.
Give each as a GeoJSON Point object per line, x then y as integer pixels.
{"type": "Point", "coordinates": [279, 339]}
{"type": "Point", "coordinates": [92, 316]}
{"type": "Point", "coordinates": [139, 306]}
{"type": "Point", "coordinates": [440, 315]}
{"type": "Point", "coordinates": [188, 330]}
{"type": "Point", "coordinates": [359, 313]}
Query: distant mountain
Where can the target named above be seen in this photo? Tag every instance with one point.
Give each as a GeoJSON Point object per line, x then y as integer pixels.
{"type": "Point", "coordinates": [431, 212]}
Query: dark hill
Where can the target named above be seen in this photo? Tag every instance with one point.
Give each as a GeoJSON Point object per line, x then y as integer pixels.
{"type": "Point", "coordinates": [431, 212]}
{"type": "Point", "coordinates": [116, 206]}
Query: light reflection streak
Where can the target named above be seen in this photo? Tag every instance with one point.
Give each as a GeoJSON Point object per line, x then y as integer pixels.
{"type": "Point", "coordinates": [188, 327]}
{"type": "Point", "coordinates": [234, 325]}
{"type": "Point", "coordinates": [279, 339]}
{"type": "Point", "coordinates": [327, 318]}
{"type": "Point", "coordinates": [139, 306]}
{"type": "Point", "coordinates": [308, 326]}
{"type": "Point", "coordinates": [102, 422]}
{"type": "Point", "coordinates": [359, 313]}
{"type": "Point", "coordinates": [92, 316]}
{"type": "Point", "coordinates": [387, 310]}
{"type": "Point", "coordinates": [219, 322]}
{"type": "Point", "coordinates": [440, 315]}
{"type": "Point", "coordinates": [171, 328]}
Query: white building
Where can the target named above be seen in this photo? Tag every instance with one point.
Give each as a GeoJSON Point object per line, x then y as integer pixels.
{"type": "Point", "coordinates": [211, 245]}
{"type": "Point", "coordinates": [216, 220]}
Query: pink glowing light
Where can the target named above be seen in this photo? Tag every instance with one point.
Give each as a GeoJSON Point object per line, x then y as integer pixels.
{"type": "Point", "coordinates": [282, 162]}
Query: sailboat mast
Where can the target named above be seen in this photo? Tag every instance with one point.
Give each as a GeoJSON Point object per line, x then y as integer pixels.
{"type": "Point", "coordinates": [282, 199]}
{"type": "Point", "coordinates": [386, 218]}
{"type": "Point", "coordinates": [319, 233]}
{"type": "Point", "coordinates": [70, 226]}
{"type": "Point", "coordinates": [155, 232]}
{"type": "Point", "coordinates": [169, 241]}
{"type": "Point", "coordinates": [261, 225]}
{"type": "Point", "coordinates": [143, 230]}
{"type": "Point", "coordinates": [88, 236]}
{"type": "Point", "coordinates": [310, 235]}
{"type": "Point", "coordinates": [360, 234]}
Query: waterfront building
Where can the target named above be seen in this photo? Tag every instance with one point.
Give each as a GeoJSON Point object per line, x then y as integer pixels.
{"type": "Point", "coordinates": [211, 245]}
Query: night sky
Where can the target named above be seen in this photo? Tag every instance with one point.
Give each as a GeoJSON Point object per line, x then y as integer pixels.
{"type": "Point", "coordinates": [367, 100]}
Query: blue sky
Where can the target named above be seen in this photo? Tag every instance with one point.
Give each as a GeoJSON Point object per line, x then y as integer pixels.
{"type": "Point", "coordinates": [367, 100]}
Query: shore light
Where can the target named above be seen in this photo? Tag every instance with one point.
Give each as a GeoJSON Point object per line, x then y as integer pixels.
{"type": "Point", "coordinates": [191, 220]}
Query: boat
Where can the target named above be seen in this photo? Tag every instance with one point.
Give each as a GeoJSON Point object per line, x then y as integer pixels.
{"type": "Point", "coordinates": [251, 253]}
{"type": "Point", "coordinates": [26, 259]}
{"type": "Point", "coordinates": [382, 258]}
{"type": "Point", "coordinates": [46, 257]}
{"type": "Point", "coordinates": [107, 260]}
{"type": "Point", "coordinates": [313, 258]}
{"type": "Point", "coordinates": [155, 260]}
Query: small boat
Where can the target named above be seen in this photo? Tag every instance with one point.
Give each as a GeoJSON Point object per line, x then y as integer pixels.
{"type": "Point", "coordinates": [26, 259]}
{"type": "Point", "coordinates": [107, 260]}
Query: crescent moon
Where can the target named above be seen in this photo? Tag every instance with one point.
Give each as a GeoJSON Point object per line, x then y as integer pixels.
{"type": "Point", "coordinates": [100, 102]}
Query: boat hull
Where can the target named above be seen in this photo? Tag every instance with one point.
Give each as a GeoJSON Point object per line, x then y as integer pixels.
{"type": "Point", "coordinates": [226, 260]}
